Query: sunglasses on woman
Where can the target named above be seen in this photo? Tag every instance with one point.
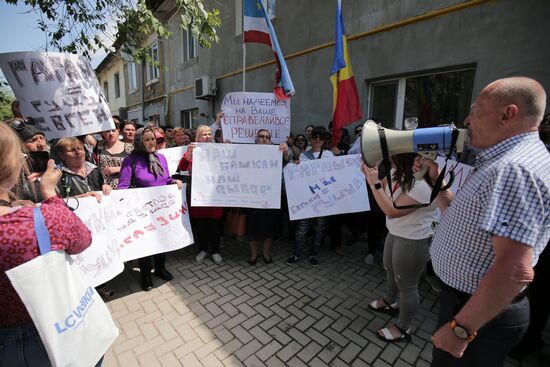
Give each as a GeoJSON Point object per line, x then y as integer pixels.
{"type": "Point", "coordinates": [20, 124]}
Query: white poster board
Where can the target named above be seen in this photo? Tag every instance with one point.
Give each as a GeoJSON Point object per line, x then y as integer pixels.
{"type": "Point", "coordinates": [323, 187]}
{"type": "Point", "coordinates": [130, 224]}
{"type": "Point", "coordinates": [59, 91]}
{"type": "Point", "coordinates": [236, 175]}
{"type": "Point", "coordinates": [248, 112]}
{"type": "Point", "coordinates": [101, 261]}
{"type": "Point", "coordinates": [151, 220]}
{"type": "Point", "coordinates": [461, 172]}
{"type": "Point", "coordinates": [173, 157]}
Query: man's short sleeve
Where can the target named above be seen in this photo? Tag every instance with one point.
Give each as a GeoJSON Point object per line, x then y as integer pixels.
{"type": "Point", "coordinates": [515, 207]}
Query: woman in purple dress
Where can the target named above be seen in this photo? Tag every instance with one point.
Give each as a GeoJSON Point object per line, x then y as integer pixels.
{"type": "Point", "coordinates": [146, 168]}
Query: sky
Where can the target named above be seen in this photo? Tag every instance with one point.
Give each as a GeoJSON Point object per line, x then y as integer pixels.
{"type": "Point", "coordinates": [19, 32]}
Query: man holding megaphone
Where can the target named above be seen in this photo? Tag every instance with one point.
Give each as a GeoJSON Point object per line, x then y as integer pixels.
{"type": "Point", "coordinates": [490, 238]}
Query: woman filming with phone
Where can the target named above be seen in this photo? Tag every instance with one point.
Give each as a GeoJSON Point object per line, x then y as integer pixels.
{"type": "Point", "coordinates": [19, 338]}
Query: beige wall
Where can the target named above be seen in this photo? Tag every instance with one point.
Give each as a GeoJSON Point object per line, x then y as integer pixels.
{"type": "Point", "coordinates": [107, 74]}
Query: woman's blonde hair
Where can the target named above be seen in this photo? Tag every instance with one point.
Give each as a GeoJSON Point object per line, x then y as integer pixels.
{"type": "Point", "coordinates": [11, 155]}
{"type": "Point", "coordinates": [65, 143]}
{"type": "Point", "coordinates": [199, 130]}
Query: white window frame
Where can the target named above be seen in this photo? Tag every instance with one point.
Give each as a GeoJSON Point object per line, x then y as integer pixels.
{"type": "Point", "coordinates": [132, 77]}
{"type": "Point", "coordinates": [153, 72]}
{"type": "Point", "coordinates": [401, 90]}
{"type": "Point", "coordinates": [106, 90]}
{"type": "Point", "coordinates": [187, 37]}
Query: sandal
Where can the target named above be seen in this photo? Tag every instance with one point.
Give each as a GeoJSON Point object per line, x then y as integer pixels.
{"type": "Point", "coordinates": [390, 309]}
{"type": "Point", "coordinates": [105, 291]}
{"type": "Point", "coordinates": [386, 335]}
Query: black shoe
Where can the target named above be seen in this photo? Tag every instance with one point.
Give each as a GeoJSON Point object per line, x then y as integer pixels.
{"type": "Point", "coordinates": [146, 283]}
{"type": "Point", "coordinates": [163, 274]}
{"type": "Point", "coordinates": [292, 260]}
{"type": "Point", "coordinates": [252, 261]}
{"type": "Point", "coordinates": [313, 260]}
{"type": "Point", "coordinates": [268, 260]}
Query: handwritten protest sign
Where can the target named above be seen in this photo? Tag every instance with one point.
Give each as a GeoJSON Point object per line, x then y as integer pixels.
{"type": "Point", "coordinates": [151, 220]}
{"type": "Point", "coordinates": [461, 172]}
{"type": "Point", "coordinates": [101, 261]}
{"type": "Point", "coordinates": [236, 175]}
{"type": "Point", "coordinates": [130, 224]}
{"type": "Point", "coordinates": [60, 92]}
{"type": "Point", "coordinates": [173, 157]}
{"type": "Point", "coordinates": [248, 112]}
{"type": "Point", "coordinates": [324, 187]}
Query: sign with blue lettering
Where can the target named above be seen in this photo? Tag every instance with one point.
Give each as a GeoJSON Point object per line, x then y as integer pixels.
{"type": "Point", "coordinates": [236, 175]}
{"type": "Point", "coordinates": [322, 187]}
{"type": "Point", "coordinates": [248, 112]}
{"type": "Point", "coordinates": [60, 92]}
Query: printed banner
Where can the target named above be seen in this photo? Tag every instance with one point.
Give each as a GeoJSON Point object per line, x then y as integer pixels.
{"type": "Point", "coordinates": [248, 112]}
{"type": "Point", "coordinates": [324, 187]}
{"type": "Point", "coordinates": [173, 157]}
{"type": "Point", "coordinates": [236, 175]}
{"type": "Point", "coordinates": [129, 224]}
{"type": "Point", "coordinates": [60, 92]}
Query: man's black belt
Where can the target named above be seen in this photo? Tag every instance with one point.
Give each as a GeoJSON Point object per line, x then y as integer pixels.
{"type": "Point", "coordinates": [462, 297]}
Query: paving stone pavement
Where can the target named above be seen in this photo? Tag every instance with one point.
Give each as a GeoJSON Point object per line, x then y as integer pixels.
{"type": "Point", "coordinates": [234, 314]}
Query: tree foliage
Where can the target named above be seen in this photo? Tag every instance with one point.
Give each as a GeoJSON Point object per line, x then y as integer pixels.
{"type": "Point", "coordinates": [81, 26]}
{"type": "Point", "coordinates": [6, 98]}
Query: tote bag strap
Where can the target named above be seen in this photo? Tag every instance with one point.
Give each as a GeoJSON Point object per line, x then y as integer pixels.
{"type": "Point", "coordinates": [42, 234]}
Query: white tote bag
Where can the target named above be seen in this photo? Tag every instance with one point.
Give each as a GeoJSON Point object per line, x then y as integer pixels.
{"type": "Point", "coordinates": [71, 318]}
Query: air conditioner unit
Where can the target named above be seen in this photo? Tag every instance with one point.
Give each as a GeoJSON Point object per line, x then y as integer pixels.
{"type": "Point", "coordinates": [205, 87]}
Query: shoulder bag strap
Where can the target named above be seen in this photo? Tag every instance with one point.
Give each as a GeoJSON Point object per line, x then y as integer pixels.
{"type": "Point", "coordinates": [42, 234]}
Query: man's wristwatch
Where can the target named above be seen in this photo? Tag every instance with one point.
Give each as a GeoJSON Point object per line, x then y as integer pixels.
{"type": "Point", "coordinates": [377, 185]}
{"type": "Point", "coordinates": [461, 332]}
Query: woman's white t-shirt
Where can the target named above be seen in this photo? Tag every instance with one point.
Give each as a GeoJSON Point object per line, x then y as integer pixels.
{"type": "Point", "coordinates": [326, 154]}
{"type": "Point", "coordinates": [418, 224]}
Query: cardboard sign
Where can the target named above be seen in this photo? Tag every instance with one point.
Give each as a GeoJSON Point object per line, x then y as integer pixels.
{"type": "Point", "coordinates": [60, 92]}
{"type": "Point", "coordinates": [236, 175]}
{"type": "Point", "coordinates": [130, 224]}
{"type": "Point", "coordinates": [173, 157]}
{"type": "Point", "coordinates": [461, 172]}
{"type": "Point", "coordinates": [322, 187]}
{"type": "Point", "coordinates": [248, 112]}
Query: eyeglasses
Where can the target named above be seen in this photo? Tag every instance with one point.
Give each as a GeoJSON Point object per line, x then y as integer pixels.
{"type": "Point", "coordinates": [261, 136]}
{"type": "Point", "coordinates": [300, 139]}
{"type": "Point", "coordinates": [20, 124]}
{"type": "Point", "coordinates": [318, 137]}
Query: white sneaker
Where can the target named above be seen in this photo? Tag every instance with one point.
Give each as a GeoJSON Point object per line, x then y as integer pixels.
{"type": "Point", "coordinates": [201, 256]}
{"type": "Point", "coordinates": [217, 258]}
{"type": "Point", "coordinates": [369, 259]}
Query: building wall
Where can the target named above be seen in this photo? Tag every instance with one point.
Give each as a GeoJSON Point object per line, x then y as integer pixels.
{"type": "Point", "coordinates": [117, 105]}
{"type": "Point", "coordinates": [499, 38]}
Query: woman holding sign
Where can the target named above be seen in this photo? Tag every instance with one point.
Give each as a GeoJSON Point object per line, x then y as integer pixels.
{"type": "Point", "coordinates": [146, 168]}
{"type": "Point", "coordinates": [260, 223]}
{"type": "Point", "coordinates": [407, 243]}
{"type": "Point", "coordinates": [205, 221]}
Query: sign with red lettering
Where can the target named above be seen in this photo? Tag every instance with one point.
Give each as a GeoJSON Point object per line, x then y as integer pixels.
{"type": "Point", "coordinates": [130, 224]}
{"type": "Point", "coordinates": [248, 112]}
{"type": "Point", "coordinates": [58, 92]}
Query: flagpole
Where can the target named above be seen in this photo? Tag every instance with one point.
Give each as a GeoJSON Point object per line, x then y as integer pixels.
{"type": "Point", "coordinates": [244, 52]}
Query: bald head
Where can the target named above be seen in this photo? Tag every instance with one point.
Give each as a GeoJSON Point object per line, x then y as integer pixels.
{"type": "Point", "coordinates": [526, 93]}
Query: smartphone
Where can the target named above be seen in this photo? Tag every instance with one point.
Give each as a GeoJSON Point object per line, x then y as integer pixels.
{"type": "Point", "coordinates": [38, 161]}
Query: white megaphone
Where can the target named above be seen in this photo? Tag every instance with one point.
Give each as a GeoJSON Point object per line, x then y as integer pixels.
{"type": "Point", "coordinates": [425, 141]}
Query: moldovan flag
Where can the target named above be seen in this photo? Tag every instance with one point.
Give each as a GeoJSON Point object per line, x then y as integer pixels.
{"type": "Point", "coordinates": [346, 107]}
{"type": "Point", "coordinates": [258, 28]}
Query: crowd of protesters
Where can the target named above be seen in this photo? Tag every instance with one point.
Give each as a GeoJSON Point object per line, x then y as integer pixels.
{"type": "Point", "coordinates": [128, 156]}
